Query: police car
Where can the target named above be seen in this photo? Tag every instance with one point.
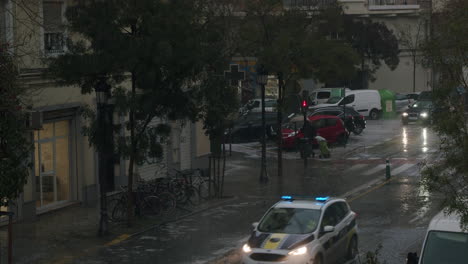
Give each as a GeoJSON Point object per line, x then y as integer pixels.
{"type": "Point", "coordinates": [301, 229]}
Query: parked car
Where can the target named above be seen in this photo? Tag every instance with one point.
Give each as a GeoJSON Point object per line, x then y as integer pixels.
{"type": "Point", "coordinates": [322, 95]}
{"type": "Point", "coordinates": [329, 127]}
{"type": "Point", "coordinates": [248, 127]}
{"type": "Point", "coordinates": [401, 102]}
{"type": "Point", "coordinates": [445, 241]}
{"type": "Point", "coordinates": [365, 102]}
{"type": "Point", "coordinates": [304, 230]}
{"type": "Point", "coordinates": [413, 97]}
{"type": "Point", "coordinates": [255, 105]}
{"type": "Point", "coordinates": [425, 96]}
{"type": "Point", "coordinates": [359, 121]}
{"type": "Point", "coordinates": [420, 112]}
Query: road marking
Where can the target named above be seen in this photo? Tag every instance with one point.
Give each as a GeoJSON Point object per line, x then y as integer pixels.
{"type": "Point", "coordinates": [375, 169]}
{"type": "Point", "coordinates": [357, 166]}
{"type": "Point", "coordinates": [370, 190]}
{"type": "Point", "coordinates": [117, 240]}
{"type": "Point", "coordinates": [355, 158]}
{"type": "Point", "coordinates": [402, 168]}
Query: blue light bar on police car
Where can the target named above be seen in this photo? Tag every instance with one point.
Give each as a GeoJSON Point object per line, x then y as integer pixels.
{"type": "Point", "coordinates": [322, 199]}
{"type": "Point", "coordinates": [286, 197]}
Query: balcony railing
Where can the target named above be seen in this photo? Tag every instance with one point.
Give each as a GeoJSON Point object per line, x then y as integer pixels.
{"type": "Point", "coordinates": [54, 43]}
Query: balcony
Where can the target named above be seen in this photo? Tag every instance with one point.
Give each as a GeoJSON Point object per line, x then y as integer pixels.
{"type": "Point", "coordinates": [393, 4]}
{"type": "Point", "coordinates": [54, 43]}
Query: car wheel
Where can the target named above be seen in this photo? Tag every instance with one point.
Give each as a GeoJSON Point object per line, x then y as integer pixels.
{"type": "Point", "coordinates": [358, 130]}
{"type": "Point", "coordinates": [374, 114]}
{"type": "Point", "coordinates": [352, 249]}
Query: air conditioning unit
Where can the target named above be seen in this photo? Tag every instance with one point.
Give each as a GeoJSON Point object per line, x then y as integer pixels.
{"type": "Point", "coordinates": [35, 120]}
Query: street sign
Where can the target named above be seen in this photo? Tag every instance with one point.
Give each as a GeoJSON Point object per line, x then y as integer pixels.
{"type": "Point", "coordinates": [234, 75]}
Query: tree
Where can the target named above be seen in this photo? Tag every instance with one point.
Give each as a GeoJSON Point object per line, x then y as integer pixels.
{"type": "Point", "coordinates": [411, 38]}
{"type": "Point", "coordinates": [15, 148]}
{"type": "Point", "coordinates": [446, 52]}
{"type": "Point", "coordinates": [294, 43]}
{"type": "Point", "coordinates": [374, 43]}
{"type": "Point", "coordinates": [163, 50]}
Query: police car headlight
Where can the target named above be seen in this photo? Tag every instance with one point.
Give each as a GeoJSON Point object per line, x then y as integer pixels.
{"type": "Point", "coordinates": [299, 251]}
{"type": "Point", "coordinates": [424, 114]}
{"type": "Point", "coordinates": [246, 248]}
{"type": "Point", "coordinates": [405, 114]}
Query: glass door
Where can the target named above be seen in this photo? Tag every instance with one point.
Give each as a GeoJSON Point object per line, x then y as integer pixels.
{"type": "Point", "coordinates": [52, 163]}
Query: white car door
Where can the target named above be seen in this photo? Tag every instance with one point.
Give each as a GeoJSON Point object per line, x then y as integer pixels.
{"type": "Point", "coordinates": [328, 240]}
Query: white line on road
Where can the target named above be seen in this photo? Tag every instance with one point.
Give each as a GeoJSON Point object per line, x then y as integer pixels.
{"type": "Point", "coordinates": [375, 169]}
{"type": "Point", "coordinates": [402, 168]}
{"type": "Point", "coordinates": [357, 166]}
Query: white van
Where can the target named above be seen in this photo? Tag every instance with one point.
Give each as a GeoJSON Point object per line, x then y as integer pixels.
{"type": "Point", "coordinates": [322, 95]}
{"type": "Point", "coordinates": [366, 102]}
{"type": "Point", "coordinates": [445, 241]}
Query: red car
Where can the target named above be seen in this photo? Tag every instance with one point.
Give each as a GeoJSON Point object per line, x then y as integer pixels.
{"type": "Point", "coordinates": [329, 127]}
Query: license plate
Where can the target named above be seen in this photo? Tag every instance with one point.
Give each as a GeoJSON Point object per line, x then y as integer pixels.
{"type": "Point", "coordinates": [413, 118]}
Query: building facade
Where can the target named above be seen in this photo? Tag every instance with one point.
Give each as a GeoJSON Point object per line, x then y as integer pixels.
{"type": "Point", "coordinates": [65, 167]}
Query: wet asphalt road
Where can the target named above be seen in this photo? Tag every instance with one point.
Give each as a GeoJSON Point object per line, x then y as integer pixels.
{"type": "Point", "coordinates": [393, 215]}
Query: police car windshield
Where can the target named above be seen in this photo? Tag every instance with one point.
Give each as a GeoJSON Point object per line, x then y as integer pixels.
{"type": "Point", "coordinates": [290, 221]}
{"type": "Point", "coordinates": [445, 247]}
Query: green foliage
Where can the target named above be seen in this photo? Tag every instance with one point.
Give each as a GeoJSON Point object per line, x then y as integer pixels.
{"type": "Point", "coordinates": [373, 41]}
{"type": "Point", "coordinates": [372, 257]}
{"type": "Point", "coordinates": [164, 50]}
{"type": "Point", "coordinates": [446, 52]}
{"type": "Point", "coordinates": [297, 42]}
{"type": "Point", "coordinates": [15, 148]}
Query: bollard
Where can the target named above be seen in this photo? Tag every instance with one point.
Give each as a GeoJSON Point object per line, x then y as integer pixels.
{"type": "Point", "coordinates": [387, 169]}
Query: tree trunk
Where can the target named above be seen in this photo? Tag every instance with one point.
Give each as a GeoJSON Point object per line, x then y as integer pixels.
{"type": "Point", "coordinates": [132, 157]}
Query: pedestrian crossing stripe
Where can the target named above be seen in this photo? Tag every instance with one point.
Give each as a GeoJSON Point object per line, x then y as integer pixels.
{"type": "Point", "coordinates": [402, 168]}
{"type": "Point", "coordinates": [357, 166]}
{"type": "Point", "coordinates": [375, 169]}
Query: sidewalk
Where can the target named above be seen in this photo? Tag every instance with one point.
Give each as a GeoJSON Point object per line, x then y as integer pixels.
{"type": "Point", "coordinates": [61, 236]}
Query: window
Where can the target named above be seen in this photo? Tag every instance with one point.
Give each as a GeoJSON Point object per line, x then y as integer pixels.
{"type": "Point", "coordinates": [347, 100]}
{"type": "Point", "coordinates": [54, 30]}
{"type": "Point", "coordinates": [341, 210]}
{"type": "Point", "coordinates": [271, 103]}
{"type": "Point", "coordinates": [3, 14]}
{"type": "Point", "coordinates": [330, 122]}
{"type": "Point", "coordinates": [445, 247]}
{"type": "Point", "coordinates": [323, 95]}
{"type": "Point", "coordinates": [329, 218]}
{"type": "Point", "coordinates": [290, 221]}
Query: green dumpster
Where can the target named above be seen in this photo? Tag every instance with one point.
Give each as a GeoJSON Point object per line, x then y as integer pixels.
{"type": "Point", "coordinates": [387, 99]}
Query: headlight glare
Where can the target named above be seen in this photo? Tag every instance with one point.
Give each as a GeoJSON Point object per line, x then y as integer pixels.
{"type": "Point", "coordinates": [298, 251]}
{"type": "Point", "coordinates": [405, 114]}
{"type": "Point", "coordinates": [424, 114]}
{"type": "Point", "coordinates": [246, 248]}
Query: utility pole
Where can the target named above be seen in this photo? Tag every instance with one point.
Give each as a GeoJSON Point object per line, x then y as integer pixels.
{"type": "Point", "coordinates": [262, 79]}
{"type": "Point", "coordinates": [279, 109]}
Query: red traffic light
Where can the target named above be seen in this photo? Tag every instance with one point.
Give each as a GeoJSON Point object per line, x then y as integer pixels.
{"type": "Point", "coordinates": [304, 103]}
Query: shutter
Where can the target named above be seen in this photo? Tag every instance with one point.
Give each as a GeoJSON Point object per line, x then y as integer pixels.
{"type": "Point", "coordinates": [52, 13]}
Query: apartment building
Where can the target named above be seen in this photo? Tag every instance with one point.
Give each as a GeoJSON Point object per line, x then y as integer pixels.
{"type": "Point", "coordinates": [65, 166]}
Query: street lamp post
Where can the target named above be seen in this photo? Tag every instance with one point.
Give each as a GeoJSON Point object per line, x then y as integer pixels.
{"type": "Point", "coordinates": [262, 79]}
{"type": "Point", "coordinates": [102, 90]}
